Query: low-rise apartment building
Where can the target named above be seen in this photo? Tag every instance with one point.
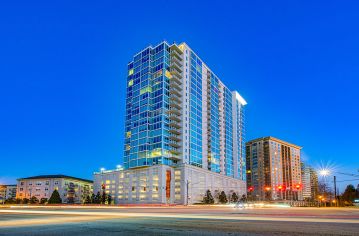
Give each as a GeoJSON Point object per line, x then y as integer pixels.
{"type": "Point", "coordinates": [71, 189]}
{"type": "Point", "coordinates": [7, 192]}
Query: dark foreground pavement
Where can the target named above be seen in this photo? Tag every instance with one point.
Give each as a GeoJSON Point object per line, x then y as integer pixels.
{"type": "Point", "coordinates": [210, 223]}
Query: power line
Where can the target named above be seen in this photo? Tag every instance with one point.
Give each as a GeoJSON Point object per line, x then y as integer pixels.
{"type": "Point", "coordinates": [347, 180]}
{"type": "Point", "coordinates": [354, 175]}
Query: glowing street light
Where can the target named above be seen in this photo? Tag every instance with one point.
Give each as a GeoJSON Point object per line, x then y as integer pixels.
{"type": "Point", "coordinates": [324, 172]}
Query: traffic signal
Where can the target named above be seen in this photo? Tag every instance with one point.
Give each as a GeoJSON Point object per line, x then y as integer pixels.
{"type": "Point", "coordinates": [281, 188]}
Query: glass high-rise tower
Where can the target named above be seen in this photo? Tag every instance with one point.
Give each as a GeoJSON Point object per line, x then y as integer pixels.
{"type": "Point", "coordinates": [179, 112]}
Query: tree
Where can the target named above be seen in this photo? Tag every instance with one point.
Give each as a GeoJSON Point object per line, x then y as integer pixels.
{"type": "Point", "coordinates": [349, 194]}
{"type": "Point", "coordinates": [243, 198]}
{"type": "Point", "coordinates": [216, 195]}
{"type": "Point", "coordinates": [88, 200]}
{"type": "Point", "coordinates": [25, 201]}
{"type": "Point", "coordinates": [93, 198]}
{"type": "Point", "coordinates": [10, 201]}
{"type": "Point", "coordinates": [109, 199]}
{"type": "Point", "coordinates": [18, 200]}
{"type": "Point", "coordinates": [103, 197]}
{"type": "Point", "coordinates": [208, 198]}
{"type": "Point", "coordinates": [71, 200]}
{"type": "Point", "coordinates": [43, 200]}
{"type": "Point", "coordinates": [55, 198]}
{"type": "Point", "coordinates": [34, 200]}
{"type": "Point", "coordinates": [97, 198]}
{"type": "Point", "coordinates": [324, 189]}
{"type": "Point", "coordinates": [223, 198]}
{"type": "Point", "coordinates": [234, 197]}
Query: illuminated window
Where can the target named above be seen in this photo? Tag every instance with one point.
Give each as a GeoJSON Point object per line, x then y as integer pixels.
{"type": "Point", "coordinates": [128, 134]}
{"type": "Point", "coordinates": [130, 83]}
{"type": "Point", "coordinates": [156, 152]}
{"type": "Point", "coordinates": [147, 89]}
{"type": "Point", "coordinates": [130, 72]}
{"type": "Point", "coordinates": [168, 74]}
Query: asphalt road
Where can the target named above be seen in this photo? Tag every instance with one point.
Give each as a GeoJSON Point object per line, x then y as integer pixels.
{"type": "Point", "coordinates": [178, 221]}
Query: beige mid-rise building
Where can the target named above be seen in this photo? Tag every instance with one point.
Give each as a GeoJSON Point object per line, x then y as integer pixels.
{"type": "Point", "coordinates": [309, 182]}
{"type": "Point", "coordinates": [273, 169]}
{"type": "Point", "coordinates": [71, 189]}
{"type": "Point", "coordinates": [7, 192]}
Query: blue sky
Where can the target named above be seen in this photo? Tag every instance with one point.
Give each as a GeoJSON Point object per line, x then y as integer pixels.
{"type": "Point", "coordinates": [63, 71]}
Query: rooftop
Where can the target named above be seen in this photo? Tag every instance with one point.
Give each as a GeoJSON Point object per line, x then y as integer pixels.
{"type": "Point", "coordinates": [275, 140]}
{"type": "Point", "coordinates": [56, 177]}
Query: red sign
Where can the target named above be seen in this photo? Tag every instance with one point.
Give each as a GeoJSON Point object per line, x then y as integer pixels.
{"type": "Point", "coordinates": [168, 184]}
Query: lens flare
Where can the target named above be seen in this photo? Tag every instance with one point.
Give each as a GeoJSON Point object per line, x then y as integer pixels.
{"type": "Point", "coordinates": [326, 169]}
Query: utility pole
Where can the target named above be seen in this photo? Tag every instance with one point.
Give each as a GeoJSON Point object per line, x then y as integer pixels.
{"type": "Point", "coordinates": [335, 190]}
{"type": "Point", "coordinates": [187, 186]}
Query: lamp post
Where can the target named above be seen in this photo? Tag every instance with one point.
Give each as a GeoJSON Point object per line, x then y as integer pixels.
{"type": "Point", "coordinates": [267, 189]}
{"type": "Point", "coordinates": [250, 190]}
{"type": "Point", "coordinates": [327, 172]}
{"type": "Point", "coordinates": [320, 200]}
{"type": "Point", "coordinates": [335, 191]}
{"type": "Point", "coordinates": [187, 195]}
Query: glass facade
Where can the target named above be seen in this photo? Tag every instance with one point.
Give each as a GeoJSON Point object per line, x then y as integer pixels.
{"type": "Point", "coordinates": [213, 115]}
{"type": "Point", "coordinates": [195, 113]}
{"type": "Point", "coordinates": [228, 129]}
{"type": "Point", "coordinates": [168, 89]}
{"type": "Point", "coordinates": [147, 100]}
{"type": "Point", "coordinates": [239, 139]}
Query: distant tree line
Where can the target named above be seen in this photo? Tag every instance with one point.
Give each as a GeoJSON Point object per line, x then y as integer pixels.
{"type": "Point", "coordinates": [221, 197]}
{"type": "Point", "coordinates": [56, 199]}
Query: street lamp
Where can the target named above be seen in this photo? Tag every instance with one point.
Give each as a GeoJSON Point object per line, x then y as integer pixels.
{"type": "Point", "coordinates": [320, 200]}
{"type": "Point", "coordinates": [326, 172]}
{"type": "Point", "coordinates": [267, 189]}
{"type": "Point", "coordinates": [250, 190]}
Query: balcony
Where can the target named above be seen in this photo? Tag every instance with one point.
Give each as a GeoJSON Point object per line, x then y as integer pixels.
{"type": "Point", "coordinates": [176, 53]}
{"type": "Point", "coordinates": [175, 138]}
{"type": "Point", "coordinates": [175, 85]}
{"type": "Point", "coordinates": [174, 151]}
{"type": "Point", "coordinates": [175, 99]}
{"type": "Point", "coordinates": [174, 144]}
{"type": "Point", "coordinates": [174, 104]}
{"type": "Point", "coordinates": [175, 92]}
{"type": "Point", "coordinates": [175, 131]}
{"type": "Point", "coordinates": [175, 125]}
{"type": "Point", "coordinates": [174, 114]}
{"type": "Point", "coordinates": [176, 72]}
{"type": "Point", "coordinates": [176, 64]}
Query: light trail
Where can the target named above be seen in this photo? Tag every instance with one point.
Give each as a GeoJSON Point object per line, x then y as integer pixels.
{"type": "Point", "coordinates": [187, 216]}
